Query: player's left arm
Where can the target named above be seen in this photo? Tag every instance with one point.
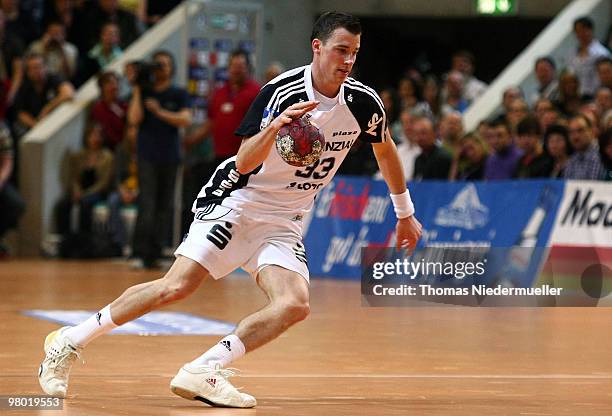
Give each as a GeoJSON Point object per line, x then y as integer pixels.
{"type": "Point", "coordinates": [408, 229]}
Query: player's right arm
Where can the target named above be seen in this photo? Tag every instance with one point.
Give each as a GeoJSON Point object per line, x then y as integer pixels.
{"type": "Point", "coordinates": [254, 150]}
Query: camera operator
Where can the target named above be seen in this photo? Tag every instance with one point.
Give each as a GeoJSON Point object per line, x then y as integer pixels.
{"type": "Point", "coordinates": [158, 112]}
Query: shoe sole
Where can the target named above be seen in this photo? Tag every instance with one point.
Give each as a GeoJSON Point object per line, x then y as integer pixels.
{"type": "Point", "coordinates": [189, 395]}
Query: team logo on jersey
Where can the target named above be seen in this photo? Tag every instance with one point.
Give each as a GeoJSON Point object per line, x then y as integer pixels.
{"type": "Point", "coordinates": [349, 98]}
{"type": "Point", "coordinates": [373, 123]}
{"type": "Point", "coordinates": [344, 133]}
{"type": "Point", "coordinates": [268, 116]}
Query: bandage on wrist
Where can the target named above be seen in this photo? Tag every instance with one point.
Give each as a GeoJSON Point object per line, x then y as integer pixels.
{"type": "Point", "coordinates": [402, 204]}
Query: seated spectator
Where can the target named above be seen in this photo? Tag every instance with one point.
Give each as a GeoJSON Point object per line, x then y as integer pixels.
{"type": "Point", "coordinates": [535, 163]}
{"type": "Point", "coordinates": [409, 93]}
{"type": "Point", "coordinates": [541, 109]}
{"type": "Point", "coordinates": [517, 111]}
{"type": "Point", "coordinates": [582, 60]}
{"type": "Point", "coordinates": [125, 188]}
{"type": "Point", "coordinates": [502, 163]}
{"type": "Point", "coordinates": [109, 111]}
{"type": "Point", "coordinates": [604, 71]}
{"type": "Point", "coordinates": [91, 173]}
{"type": "Point", "coordinates": [463, 61]}
{"type": "Point", "coordinates": [432, 96]}
{"type": "Point", "coordinates": [455, 101]}
{"type": "Point", "coordinates": [569, 101]}
{"type": "Point", "coordinates": [603, 101]}
{"type": "Point", "coordinates": [39, 94]}
{"type": "Point", "coordinates": [60, 57]}
{"type": "Point", "coordinates": [469, 162]}
{"type": "Point", "coordinates": [605, 150]}
{"type": "Point", "coordinates": [12, 205]}
{"type": "Point", "coordinates": [407, 149]}
{"type": "Point", "coordinates": [510, 94]}
{"type": "Point", "coordinates": [392, 107]}
{"type": "Point", "coordinates": [451, 131]}
{"type": "Point", "coordinates": [434, 162]}
{"type": "Point", "coordinates": [557, 144]}
{"type": "Point", "coordinates": [585, 163]}
{"type": "Point", "coordinates": [546, 75]}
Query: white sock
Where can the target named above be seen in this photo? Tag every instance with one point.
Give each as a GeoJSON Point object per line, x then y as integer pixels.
{"type": "Point", "coordinates": [96, 325]}
{"type": "Point", "coordinates": [224, 352]}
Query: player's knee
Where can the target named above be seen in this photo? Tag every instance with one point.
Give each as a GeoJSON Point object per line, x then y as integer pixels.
{"type": "Point", "coordinates": [295, 310]}
{"type": "Point", "coordinates": [172, 291]}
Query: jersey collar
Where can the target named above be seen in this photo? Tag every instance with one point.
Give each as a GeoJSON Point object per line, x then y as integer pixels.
{"type": "Point", "coordinates": [310, 89]}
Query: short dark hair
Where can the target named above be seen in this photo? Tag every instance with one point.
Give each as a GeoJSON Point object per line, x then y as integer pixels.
{"type": "Point", "coordinates": [168, 54]}
{"type": "Point", "coordinates": [585, 21]}
{"type": "Point", "coordinates": [500, 122]}
{"type": "Point", "coordinates": [464, 53]}
{"type": "Point", "coordinates": [240, 52]}
{"type": "Point", "coordinates": [529, 125]}
{"type": "Point", "coordinates": [548, 59]}
{"type": "Point", "coordinates": [104, 77]}
{"type": "Point", "coordinates": [562, 131]}
{"type": "Point", "coordinates": [330, 21]}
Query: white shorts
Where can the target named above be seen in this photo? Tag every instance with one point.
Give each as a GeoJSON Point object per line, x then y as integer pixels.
{"type": "Point", "coordinates": [224, 240]}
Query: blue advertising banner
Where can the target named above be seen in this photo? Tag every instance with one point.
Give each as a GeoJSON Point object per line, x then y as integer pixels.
{"type": "Point", "coordinates": [354, 213]}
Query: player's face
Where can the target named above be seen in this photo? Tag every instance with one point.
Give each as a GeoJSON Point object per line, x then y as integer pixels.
{"type": "Point", "coordinates": [337, 55]}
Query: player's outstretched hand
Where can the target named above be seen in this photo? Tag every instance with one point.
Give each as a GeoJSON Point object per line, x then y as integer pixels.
{"type": "Point", "coordinates": [408, 231]}
{"type": "Point", "coordinates": [294, 111]}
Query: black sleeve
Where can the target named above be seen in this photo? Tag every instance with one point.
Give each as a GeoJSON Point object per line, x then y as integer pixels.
{"type": "Point", "coordinates": [368, 109]}
{"type": "Point", "coordinates": [259, 114]}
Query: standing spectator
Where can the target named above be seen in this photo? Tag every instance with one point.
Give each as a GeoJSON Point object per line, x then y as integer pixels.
{"type": "Point", "coordinates": [605, 149]}
{"type": "Point", "coordinates": [60, 57]}
{"type": "Point", "coordinates": [569, 101]}
{"type": "Point", "coordinates": [227, 107]}
{"type": "Point", "coordinates": [469, 162]}
{"type": "Point", "coordinates": [604, 71]}
{"type": "Point", "coordinates": [463, 61]}
{"type": "Point", "coordinates": [12, 205]}
{"type": "Point", "coordinates": [535, 163]}
{"type": "Point", "coordinates": [11, 66]}
{"type": "Point", "coordinates": [90, 18]}
{"type": "Point", "coordinates": [109, 111]}
{"type": "Point", "coordinates": [504, 160]}
{"type": "Point", "coordinates": [18, 22]}
{"type": "Point", "coordinates": [91, 173]}
{"type": "Point", "coordinates": [557, 144]}
{"type": "Point", "coordinates": [585, 163]}
{"type": "Point", "coordinates": [546, 75]}
{"type": "Point", "coordinates": [39, 93]}
{"type": "Point", "coordinates": [159, 113]}
{"type": "Point", "coordinates": [272, 71]}
{"type": "Point", "coordinates": [455, 101]}
{"type": "Point", "coordinates": [157, 9]}
{"type": "Point", "coordinates": [125, 191]}
{"type": "Point", "coordinates": [582, 61]}
{"type": "Point", "coordinates": [434, 162]}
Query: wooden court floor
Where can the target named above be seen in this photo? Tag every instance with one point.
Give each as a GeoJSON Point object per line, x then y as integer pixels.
{"type": "Point", "coordinates": [343, 360]}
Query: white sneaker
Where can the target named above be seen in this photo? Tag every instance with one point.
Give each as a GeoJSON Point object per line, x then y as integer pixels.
{"type": "Point", "coordinates": [55, 368]}
{"type": "Point", "coordinates": [209, 385]}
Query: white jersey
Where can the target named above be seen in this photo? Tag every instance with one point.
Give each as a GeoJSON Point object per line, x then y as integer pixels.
{"type": "Point", "coordinates": [276, 191]}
